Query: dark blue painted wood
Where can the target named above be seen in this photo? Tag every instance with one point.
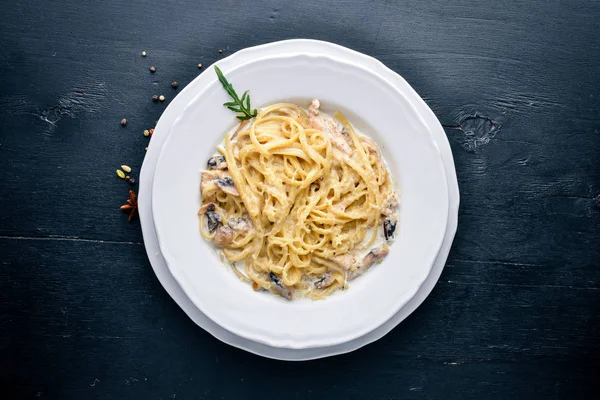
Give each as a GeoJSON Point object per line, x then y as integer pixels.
{"type": "Point", "coordinates": [515, 313]}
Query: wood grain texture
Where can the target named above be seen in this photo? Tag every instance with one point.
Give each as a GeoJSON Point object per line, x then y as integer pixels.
{"type": "Point", "coordinates": [515, 85]}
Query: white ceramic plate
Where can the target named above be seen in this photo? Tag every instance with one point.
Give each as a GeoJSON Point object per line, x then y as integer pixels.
{"type": "Point", "coordinates": [151, 241]}
{"type": "Point", "coordinates": [377, 108]}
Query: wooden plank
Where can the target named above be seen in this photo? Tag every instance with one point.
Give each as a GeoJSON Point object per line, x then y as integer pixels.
{"type": "Point", "coordinates": [75, 318]}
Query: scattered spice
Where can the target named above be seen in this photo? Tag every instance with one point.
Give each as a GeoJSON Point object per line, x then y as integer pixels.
{"type": "Point", "coordinates": [146, 133]}
{"type": "Point", "coordinates": [155, 98]}
{"type": "Point", "coordinates": [199, 66]}
{"type": "Point", "coordinates": [151, 132]}
{"type": "Point", "coordinates": [131, 206]}
{"type": "Point", "coordinates": [143, 54]}
{"type": "Point", "coordinates": [161, 98]}
{"type": "Point", "coordinates": [220, 51]}
{"type": "Point", "coordinates": [152, 69]}
{"type": "Point", "coordinates": [126, 168]}
{"type": "Point", "coordinates": [174, 84]}
{"type": "Point", "coordinates": [146, 149]}
{"type": "Point", "coordinates": [127, 178]}
{"type": "Point", "coordinates": [255, 286]}
{"type": "Point", "coordinates": [131, 181]}
{"type": "Point", "coordinates": [124, 122]}
{"type": "Point", "coordinates": [120, 174]}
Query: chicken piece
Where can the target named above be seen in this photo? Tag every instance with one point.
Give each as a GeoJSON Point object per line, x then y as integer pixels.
{"type": "Point", "coordinates": [240, 225]}
{"type": "Point", "coordinates": [326, 281]}
{"type": "Point", "coordinates": [217, 162]}
{"type": "Point", "coordinates": [345, 261]}
{"type": "Point", "coordinates": [390, 205]}
{"type": "Point", "coordinates": [226, 185]}
{"type": "Point", "coordinates": [279, 287]}
{"type": "Point", "coordinates": [224, 236]}
{"type": "Point", "coordinates": [370, 146]}
{"type": "Point", "coordinates": [374, 256]}
{"type": "Point", "coordinates": [328, 125]}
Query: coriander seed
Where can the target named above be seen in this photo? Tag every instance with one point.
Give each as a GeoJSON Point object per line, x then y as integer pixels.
{"type": "Point", "coordinates": [174, 84]}
{"type": "Point", "coordinates": [143, 54]}
{"type": "Point", "coordinates": [161, 98]}
{"type": "Point", "coordinates": [199, 66]}
{"type": "Point", "coordinates": [146, 133]}
{"type": "Point", "coordinates": [220, 51]}
{"type": "Point", "coordinates": [152, 69]}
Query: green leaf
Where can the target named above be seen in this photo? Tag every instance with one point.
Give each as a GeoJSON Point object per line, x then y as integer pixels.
{"type": "Point", "coordinates": [237, 105]}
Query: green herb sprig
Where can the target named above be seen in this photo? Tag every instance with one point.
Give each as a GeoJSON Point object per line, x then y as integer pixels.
{"type": "Point", "coordinates": [241, 106]}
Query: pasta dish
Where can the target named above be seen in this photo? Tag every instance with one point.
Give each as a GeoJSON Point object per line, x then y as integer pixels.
{"type": "Point", "coordinates": [298, 201]}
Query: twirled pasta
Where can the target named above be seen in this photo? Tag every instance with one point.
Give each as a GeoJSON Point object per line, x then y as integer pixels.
{"type": "Point", "coordinates": [296, 197]}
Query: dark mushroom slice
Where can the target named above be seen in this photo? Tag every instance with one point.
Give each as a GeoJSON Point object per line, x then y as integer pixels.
{"type": "Point", "coordinates": [325, 281]}
{"type": "Point", "coordinates": [389, 227]}
{"type": "Point", "coordinates": [226, 185]}
{"type": "Point", "coordinates": [213, 218]}
{"type": "Point", "coordinates": [279, 287]}
{"type": "Point", "coordinates": [217, 162]}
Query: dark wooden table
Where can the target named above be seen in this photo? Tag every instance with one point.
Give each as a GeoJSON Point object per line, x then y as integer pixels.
{"type": "Point", "coordinates": [516, 311]}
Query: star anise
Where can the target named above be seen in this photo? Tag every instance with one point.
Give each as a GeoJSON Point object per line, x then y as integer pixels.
{"type": "Point", "coordinates": [131, 206]}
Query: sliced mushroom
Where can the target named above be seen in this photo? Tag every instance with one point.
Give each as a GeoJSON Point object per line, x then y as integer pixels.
{"type": "Point", "coordinates": [325, 281]}
{"type": "Point", "coordinates": [217, 162]}
{"type": "Point", "coordinates": [204, 208]}
{"type": "Point", "coordinates": [224, 236]}
{"type": "Point", "coordinates": [279, 287]}
{"type": "Point", "coordinates": [328, 125]}
{"type": "Point", "coordinates": [226, 185]}
{"type": "Point", "coordinates": [374, 256]}
{"type": "Point", "coordinates": [213, 218]}
{"type": "Point", "coordinates": [240, 225]}
{"type": "Point", "coordinates": [389, 226]}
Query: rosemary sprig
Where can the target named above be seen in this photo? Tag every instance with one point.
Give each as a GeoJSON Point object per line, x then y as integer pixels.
{"type": "Point", "coordinates": [241, 106]}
